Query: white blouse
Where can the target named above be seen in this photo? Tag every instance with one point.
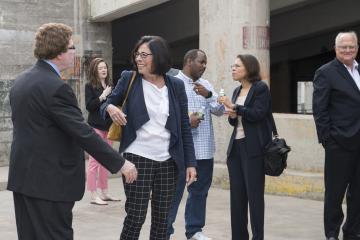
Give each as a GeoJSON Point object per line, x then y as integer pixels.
{"type": "Point", "coordinates": [240, 130]}
{"type": "Point", "coordinates": [153, 139]}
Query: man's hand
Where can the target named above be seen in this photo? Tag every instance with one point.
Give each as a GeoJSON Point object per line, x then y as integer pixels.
{"type": "Point", "coordinates": [194, 120]}
{"type": "Point", "coordinates": [116, 115]}
{"type": "Point", "coordinates": [129, 171]}
{"type": "Point", "coordinates": [190, 175]}
{"type": "Point", "coordinates": [201, 90]}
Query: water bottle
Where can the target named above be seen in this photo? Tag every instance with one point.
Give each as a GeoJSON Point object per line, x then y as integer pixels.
{"type": "Point", "coordinates": [222, 92]}
{"type": "Point", "coordinates": [201, 113]}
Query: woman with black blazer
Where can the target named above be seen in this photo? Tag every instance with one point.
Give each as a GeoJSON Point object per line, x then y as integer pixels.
{"type": "Point", "coordinates": [96, 92]}
{"type": "Point", "coordinates": [248, 112]}
{"type": "Point", "coordinates": [156, 136]}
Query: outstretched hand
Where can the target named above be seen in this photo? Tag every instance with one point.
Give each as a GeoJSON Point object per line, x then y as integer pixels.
{"type": "Point", "coordinates": [129, 171]}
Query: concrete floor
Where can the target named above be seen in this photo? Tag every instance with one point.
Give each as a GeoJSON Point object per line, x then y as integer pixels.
{"type": "Point", "coordinates": [286, 218]}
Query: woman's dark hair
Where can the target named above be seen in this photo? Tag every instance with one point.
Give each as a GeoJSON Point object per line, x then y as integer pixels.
{"type": "Point", "coordinates": [160, 53]}
{"type": "Point", "coordinates": [94, 74]}
{"type": "Point", "coordinates": [252, 67]}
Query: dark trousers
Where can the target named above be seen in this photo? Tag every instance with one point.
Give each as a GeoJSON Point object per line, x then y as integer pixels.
{"type": "Point", "coordinates": [342, 174]}
{"type": "Point", "coordinates": [247, 183]}
{"type": "Point", "coordinates": [157, 179]}
{"type": "Point", "coordinates": [195, 210]}
{"type": "Point", "coordinates": [180, 187]}
{"type": "Point", "coordinates": [39, 219]}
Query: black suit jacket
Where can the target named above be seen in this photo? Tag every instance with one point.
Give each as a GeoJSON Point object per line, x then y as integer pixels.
{"type": "Point", "coordinates": [181, 146]}
{"type": "Point", "coordinates": [93, 104]}
{"type": "Point", "coordinates": [336, 105]}
{"type": "Point", "coordinates": [46, 159]}
{"type": "Point", "coordinates": [255, 119]}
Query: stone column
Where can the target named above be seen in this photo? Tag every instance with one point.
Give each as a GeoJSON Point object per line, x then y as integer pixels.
{"type": "Point", "coordinates": [229, 28]}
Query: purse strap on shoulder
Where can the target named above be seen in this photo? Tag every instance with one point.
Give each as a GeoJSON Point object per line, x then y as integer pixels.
{"type": "Point", "coordinates": [273, 125]}
{"type": "Point", "coordinates": [129, 87]}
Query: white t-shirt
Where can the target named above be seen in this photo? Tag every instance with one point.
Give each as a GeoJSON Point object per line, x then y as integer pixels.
{"type": "Point", "coordinates": [153, 139]}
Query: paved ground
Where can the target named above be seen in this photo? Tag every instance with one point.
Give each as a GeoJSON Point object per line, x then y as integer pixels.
{"type": "Point", "coordinates": [287, 218]}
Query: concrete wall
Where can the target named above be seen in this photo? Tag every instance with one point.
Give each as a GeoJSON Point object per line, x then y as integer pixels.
{"type": "Point", "coordinates": [19, 20]}
{"type": "Point", "coordinates": [300, 134]}
{"type": "Point", "coordinates": [108, 10]}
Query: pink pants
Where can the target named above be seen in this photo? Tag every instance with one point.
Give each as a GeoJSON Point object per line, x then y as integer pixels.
{"type": "Point", "coordinates": [96, 170]}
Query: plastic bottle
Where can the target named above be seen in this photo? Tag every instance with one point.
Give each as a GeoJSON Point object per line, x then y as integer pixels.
{"type": "Point", "coordinates": [201, 113]}
{"type": "Point", "coordinates": [222, 92]}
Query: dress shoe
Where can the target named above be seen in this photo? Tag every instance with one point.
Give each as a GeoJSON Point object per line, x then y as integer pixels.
{"type": "Point", "coordinates": [105, 196]}
{"type": "Point", "coordinates": [352, 237]}
{"type": "Point", "coordinates": [98, 201]}
{"type": "Point", "coordinates": [108, 197]}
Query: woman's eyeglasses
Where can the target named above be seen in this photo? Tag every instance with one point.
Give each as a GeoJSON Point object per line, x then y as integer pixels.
{"type": "Point", "coordinates": [143, 55]}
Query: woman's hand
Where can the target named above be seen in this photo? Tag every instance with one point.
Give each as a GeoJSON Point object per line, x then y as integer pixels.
{"type": "Point", "coordinates": [190, 175]}
{"type": "Point", "coordinates": [230, 112]}
{"type": "Point", "coordinates": [116, 115]}
{"type": "Point", "coordinates": [105, 93]}
{"type": "Point", "coordinates": [226, 101]}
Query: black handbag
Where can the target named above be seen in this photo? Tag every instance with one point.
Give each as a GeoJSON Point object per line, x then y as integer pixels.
{"type": "Point", "coordinates": [276, 153]}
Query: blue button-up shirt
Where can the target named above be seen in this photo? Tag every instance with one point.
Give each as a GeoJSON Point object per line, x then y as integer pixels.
{"type": "Point", "coordinates": [53, 66]}
{"type": "Point", "coordinates": [203, 135]}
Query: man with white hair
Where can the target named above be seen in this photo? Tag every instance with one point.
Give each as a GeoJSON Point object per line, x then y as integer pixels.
{"type": "Point", "coordinates": [336, 106]}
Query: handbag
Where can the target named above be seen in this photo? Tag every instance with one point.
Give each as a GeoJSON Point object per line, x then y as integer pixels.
{"type": "Point", "coordinates": [276, 153]}
{"type": "Point", "coordinates": [115, 130]}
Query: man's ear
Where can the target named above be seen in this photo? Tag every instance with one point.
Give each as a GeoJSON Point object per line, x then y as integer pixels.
{"type": "Point", "coordinates": [189, 62]}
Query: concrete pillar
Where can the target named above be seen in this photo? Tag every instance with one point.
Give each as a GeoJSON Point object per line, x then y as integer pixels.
{"type": "Point", "coordinates": [229, 28]}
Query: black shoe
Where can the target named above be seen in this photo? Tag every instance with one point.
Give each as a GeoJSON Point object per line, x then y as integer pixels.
{"type": "Point", "coordinates": [332, 238]}
{"type": "Point", "coordinates": [351, 237]}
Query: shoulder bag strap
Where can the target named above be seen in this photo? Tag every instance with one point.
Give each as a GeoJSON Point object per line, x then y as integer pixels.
{"type": "Point", "coordinates": [273, 125]}
{"type": "Point", "coordinates": [129, 87]}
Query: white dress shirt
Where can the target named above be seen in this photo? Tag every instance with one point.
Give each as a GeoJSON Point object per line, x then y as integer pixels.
{"type": "Point", "coordinates": [354, 72]}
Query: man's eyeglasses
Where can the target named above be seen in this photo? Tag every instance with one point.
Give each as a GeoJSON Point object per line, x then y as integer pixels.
{"type": "Point", "coordinates": [71, 48]}
{"type": "Point", "coordinates": [143, 55]}
{"type": "Point", "coordinates": [350, 47]}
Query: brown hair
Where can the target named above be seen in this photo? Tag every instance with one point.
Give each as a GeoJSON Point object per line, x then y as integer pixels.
{"type": "Point", "coordinates": [94, 74]}
{"type": "Point", "coordinates": [252, 67]}
{"type": "Point", "coordinates": [51, 40]}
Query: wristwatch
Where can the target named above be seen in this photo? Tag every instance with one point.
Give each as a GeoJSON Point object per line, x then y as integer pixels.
{"type": "Point", "coordinates": [209, 94]}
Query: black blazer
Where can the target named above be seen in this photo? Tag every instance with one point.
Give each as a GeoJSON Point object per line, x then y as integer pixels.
{"type": "Point", "coordinates": [46, 159]}
{"type": "Point", "coordinates": [93, 104]}
{"type": "Point", "coordinates": [254, 117]}
{"type": "Point", "coordinates": [336, 105]}
{"type": "Point", "coordinates": [181, 146]}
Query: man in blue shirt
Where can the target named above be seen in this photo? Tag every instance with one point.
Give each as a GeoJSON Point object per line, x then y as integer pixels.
{"type": "Point", "coordinates": [202, 102]}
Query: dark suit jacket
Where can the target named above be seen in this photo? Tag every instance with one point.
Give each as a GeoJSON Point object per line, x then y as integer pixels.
{"type": "Point", "coordinates": [46, 159]}
{"type": "Point", "coordinates": [254, 117]}
{"type": "Point", "coordinates": [93, 104]}
{"type": "Point", "coordinates": [336, 105]}
{"type": "Point", "coordinates": [181, 146]}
